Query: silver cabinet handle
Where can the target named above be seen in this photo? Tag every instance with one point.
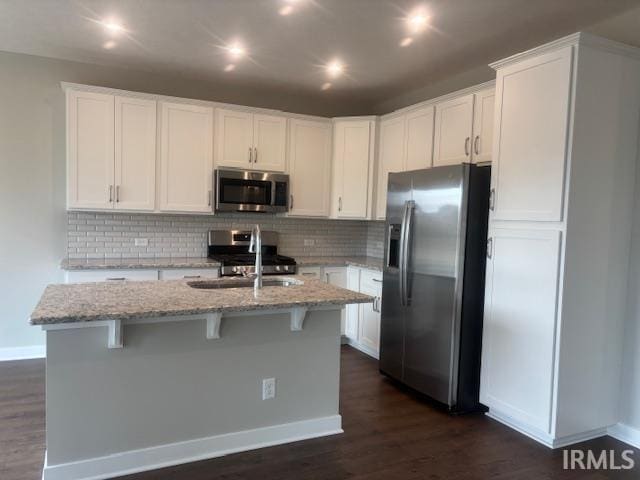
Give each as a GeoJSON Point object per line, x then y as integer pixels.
{"type": "Point", "coordinates": [327, 275]}
{"type": "Point", "coordinates": [339, 204]}
{"type": "Point", "coordinates": [290, 202]}
{"type": "Point", "coordinates": [490, 247]}
{"type": "Point", "coordinates": [110, 193]}
{"type": "Point", "coordinates": [116, 278]}
{"type": "Point", "coordinates": [191, 276]}
{"type": "Point", "coordinates": [475, 145]}
{"type": "Point", "coordinates": [466, 146]}
{"type": "Point", "coordinates": [250, 155]}
{"type": "Point", "coordinates": [118, 193]}
{"type": "Point", "coordinates": [492, 199]}
{"type": "Point", "coordinates": [309, 274]}
{"type": "Point", "coordinates": [255, 155]}
{"type": "Point", "coordinates": [376, 280]}
{"type": "Point", "coordinates": [209, 195]}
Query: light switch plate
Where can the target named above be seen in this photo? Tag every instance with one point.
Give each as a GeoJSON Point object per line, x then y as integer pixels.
{"type": "Point", "coordinates": [268, 388]}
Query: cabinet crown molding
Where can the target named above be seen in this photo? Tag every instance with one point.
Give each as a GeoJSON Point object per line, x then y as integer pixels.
{"type": "Point", "coordinates": [573, 40]}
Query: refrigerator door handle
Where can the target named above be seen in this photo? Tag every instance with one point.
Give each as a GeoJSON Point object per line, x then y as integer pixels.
{"type": "Point", "coordinates": [407, 240]}
{"type": "Point", "coordinates": [401, 253]}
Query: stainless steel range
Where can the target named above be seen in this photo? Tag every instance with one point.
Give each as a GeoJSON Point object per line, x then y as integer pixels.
{"type": "Point", "coordinates": [231, 249]}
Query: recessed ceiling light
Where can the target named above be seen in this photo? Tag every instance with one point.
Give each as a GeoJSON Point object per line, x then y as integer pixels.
{"type": "Point", "coordinates": [229, 68]}
{"type": "Point", "coordinates": [325, 86]}
{"type": "Point", "coordinates": [109, 45]}
{"type": "Point", "coordinates": [417, 21]}
{"type": "Point", "coordinates": [286, 10]}
{"type": "Point", "coordinates": [113, 26]}
{"type": "Point", "coordinates": [335, 68]}
{"type": "Point", "coordinates": [405, 42]}
{"type": "Point", "coordinates": [236, 50]}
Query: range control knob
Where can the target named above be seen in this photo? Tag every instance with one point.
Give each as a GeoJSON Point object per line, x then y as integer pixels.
{"type": "Point", "coordinates": [234, 269]}
{"type": "Point", "coordinates": [286, 268]}
{"type": "Point", "coordinates": [278, 268]}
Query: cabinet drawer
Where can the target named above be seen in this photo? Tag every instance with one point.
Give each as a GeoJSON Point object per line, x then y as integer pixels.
{"type": "Point", "coordinates": [312, 272]}
{"type": "Point", "coordinates": [371, 280]}
{"type": "Point", "coordinates": [188, 273]}
{"type": "Point", "coordinates": [83, 276]}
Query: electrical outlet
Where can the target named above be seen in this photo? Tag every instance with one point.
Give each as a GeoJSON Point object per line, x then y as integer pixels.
{"type": "Point", "coordinates": [268, 388]}
{"type": "Point", "coordinates": [141, 242]}
{"type": "Point", "coordinates": [309, 242]}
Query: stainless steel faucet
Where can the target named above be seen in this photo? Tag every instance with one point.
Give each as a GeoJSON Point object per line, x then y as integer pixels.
{"type": "Point", "coordinates": [255, 246]}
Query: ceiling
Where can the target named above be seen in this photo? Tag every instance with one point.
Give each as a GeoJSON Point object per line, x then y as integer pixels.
{"type": "Point", "coordinates": [187, 38]}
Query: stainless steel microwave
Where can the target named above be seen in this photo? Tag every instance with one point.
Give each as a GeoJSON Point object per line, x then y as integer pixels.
{"type": "Point", "coordinates": [251, 191]}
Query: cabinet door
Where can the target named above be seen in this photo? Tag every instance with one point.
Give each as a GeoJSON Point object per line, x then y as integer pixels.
{"type": "Point", "coordinates": [189, 273]}
{"type": "Point", "coordinates": [234, 139]}
{"type": "Point", "coordinates": [520, 325]}
{"type": "Point", "coordinates": [352, 312]}
{"type": "Point", "coordinates": [135, 154]}
{"type": "Point", "coordinates": [482, 147]}
{"type": "Point", "coordinates": [454, 121]}
{"type": "Point", "coordinates": [531, 138]}
{"type": "Point", "coordinates": [186, 158]}
{"type": "Point", "coordinates": [369, 328]}
{"type": "Point", "coordinates": [129, 275]}
{"type": "Point", "coordinates": [390, 158]}
{"type": "Point", "coordinates": [337, 276]}
{"type": "Point", "coordinates": [351, 168]}
{"type": "Point", "coordinates": [419, 144]}
{"type": "Point", "coordinates": [309, 168]}
{"type": "Point", "coordinates": [270, 143]}
{"type": "Point", "coordinates": [90, 143]}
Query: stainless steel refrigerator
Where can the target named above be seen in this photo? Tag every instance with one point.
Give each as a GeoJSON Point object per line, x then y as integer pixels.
{"type": "Point", "coordinates": [433, 282]}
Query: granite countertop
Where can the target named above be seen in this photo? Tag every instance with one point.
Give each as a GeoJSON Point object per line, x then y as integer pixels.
{"type": "Point", "coordinates": [138, 263]}
{"type": "Point", "coordinates": [85, 302]}
{"type": "Point", "coordinates": [204, 262]}
{"type": "Point", "coordinates": [373, 263]}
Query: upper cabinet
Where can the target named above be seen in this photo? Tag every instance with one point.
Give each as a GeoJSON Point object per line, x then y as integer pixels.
{"type": "Point", "coordinates": [531, 150]}
{"type": "Point", "coordinates": [391, 157]}
{"type": "Point", "coordinates": [309, 168]}
{"type": "Point", "coordinates": [353, 167]}
{"type": "Point", "coordinates": [90, 150]}
{"type": "Point", "coordinates": [111, 152]}
{"type": "Point", "coordinates": [419, 138]}
{"type": "Point", "coordinates": [250, 141]}
{"type": "Point", "coordinates": [186, 158]}
{"type": "Point", "coordinates": [453, 131]}
{"type": "Point", "coordinates": [483, 113]}
{"type": "Point", "coordinates": [135, 153]}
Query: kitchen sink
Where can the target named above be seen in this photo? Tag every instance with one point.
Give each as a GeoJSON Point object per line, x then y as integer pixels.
{"type": "Point", "coordinates": [242, 283]}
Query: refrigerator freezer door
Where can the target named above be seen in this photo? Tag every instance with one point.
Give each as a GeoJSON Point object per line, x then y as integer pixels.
{"type": "Point", "coordinates": [431, 316]}
{"type": "Point", "coordinates": [392, 319]}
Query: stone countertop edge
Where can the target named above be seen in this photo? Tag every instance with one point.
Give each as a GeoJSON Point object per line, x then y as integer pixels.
{"type": "Point", "coordinates": [86, 302]}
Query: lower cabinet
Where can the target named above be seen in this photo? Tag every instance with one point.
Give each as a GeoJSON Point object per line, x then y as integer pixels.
{"type": "Point", "coordinates": [362, 323]}
{"type": "Point", "coordinates": [189, 273]}
{"type": "Point", "coordinates": [131, 274]}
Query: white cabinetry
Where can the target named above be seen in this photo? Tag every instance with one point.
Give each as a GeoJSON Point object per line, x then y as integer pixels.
{"type": "Point", "coordinates": [111, 152]}
{"type": "Point", "coordinates": [419, 138]}
{"type": "Point", "coordinates": [83, 276]}
{"type": "Point", "coordinates": [391, 157]}
{"type": "Point", "coordinates": [555, 295]}
{"type": "Point", "coordinates": [250, 141]}
{"type": "Point", "coordinates": [186, 158]}
{"type": "Point", "coordinates": [453, 131]}
{"type": "Point", "coordinates": [135, 154]}
{"type": "Point", "coordinates": [353, 168]}
{"type": "Point", "coordinates": [533, 104]}
{"type": "Point", "coordinates": [483, 112]}
{"type": "Point", "coordinates": [309, 168]}
{"type": "Point", "coordinates": [523, 266]}
{"type": "Point", "coordinates": [188, 273]}
{"type": "Point", "coordinates": [311, 272]}
{"type": "Point", "coordinates": [362, 322]}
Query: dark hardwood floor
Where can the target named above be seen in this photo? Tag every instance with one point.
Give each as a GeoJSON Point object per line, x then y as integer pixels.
{"type": "Point", "coordinates": [389, 434]}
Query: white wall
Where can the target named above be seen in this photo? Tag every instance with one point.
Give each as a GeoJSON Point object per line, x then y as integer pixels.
{"type": "Point", "coordinates": [32, 168]}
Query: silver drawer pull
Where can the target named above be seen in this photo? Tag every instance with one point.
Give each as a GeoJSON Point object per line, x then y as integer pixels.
{"type": "Point", "coordinates": [376, 280]}
{"type": "Point", "coordinates": [191, 276]}
{"type": "Point", "coordinates": [116, 278]}
{"type": "Point", "coordinates": [309, 274]}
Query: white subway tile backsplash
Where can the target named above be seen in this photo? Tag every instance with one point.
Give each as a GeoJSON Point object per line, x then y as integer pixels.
{"type": "Point", "coordinates": [112, 235]}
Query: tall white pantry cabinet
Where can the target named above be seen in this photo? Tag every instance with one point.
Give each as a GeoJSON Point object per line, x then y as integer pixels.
{"type": "Point", "coordinates": [564, 160]}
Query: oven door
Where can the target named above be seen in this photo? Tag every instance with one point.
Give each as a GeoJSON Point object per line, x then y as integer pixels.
{"type": "Point", "coordinates": [250, 191]}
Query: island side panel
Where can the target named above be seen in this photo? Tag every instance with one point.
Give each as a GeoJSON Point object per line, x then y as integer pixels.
{"type": "Point", "coordinates": [170, 384]}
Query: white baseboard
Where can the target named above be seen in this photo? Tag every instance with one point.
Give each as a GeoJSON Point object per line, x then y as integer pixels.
{"type": "Point", "coordinates": [626, 434]}
{"type": "Point", "coordinates": [542, 437]}
{"type": "Point", "coordinates": [362, 348]}
{"type": "Point", "coordinates": [22, 353]}
{"type": "Point", "coordinates": [161, 456]}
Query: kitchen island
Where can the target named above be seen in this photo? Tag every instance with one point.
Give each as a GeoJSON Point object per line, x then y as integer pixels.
{"type": "Point", "coordinates": [142, 375]}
